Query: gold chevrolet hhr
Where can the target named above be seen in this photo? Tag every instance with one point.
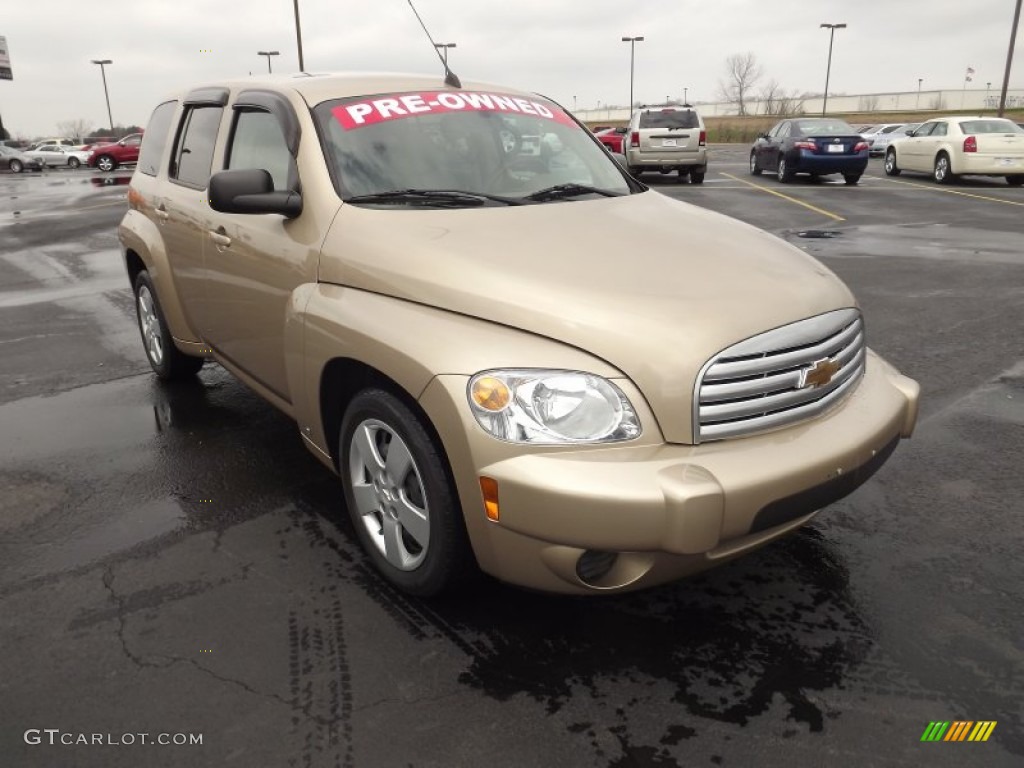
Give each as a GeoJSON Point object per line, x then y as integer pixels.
{"type": "Point", "coordinates": [512, 353]}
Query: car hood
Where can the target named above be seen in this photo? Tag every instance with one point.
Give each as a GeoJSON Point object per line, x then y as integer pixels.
{"type": "Point", "coordinates": [653, 286]}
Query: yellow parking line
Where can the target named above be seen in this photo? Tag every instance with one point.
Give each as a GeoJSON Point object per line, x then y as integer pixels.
{"type": "Point", "coordinates": [949, 191]}
{"type": "Point", "coordinates": [814, 208]}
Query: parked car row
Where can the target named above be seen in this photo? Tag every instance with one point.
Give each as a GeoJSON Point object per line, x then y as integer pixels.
{"type": "Point", "coordinates": [945, 147]}
{"type": "Point", "coordinates": [106, 156]}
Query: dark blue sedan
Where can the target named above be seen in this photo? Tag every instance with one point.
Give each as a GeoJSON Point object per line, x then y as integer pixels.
{"type": "Point", "coordinates": [814, 145]}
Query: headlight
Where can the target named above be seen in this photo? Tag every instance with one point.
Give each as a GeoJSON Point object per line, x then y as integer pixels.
{"type": "Point", "coordinates": [544, 406]}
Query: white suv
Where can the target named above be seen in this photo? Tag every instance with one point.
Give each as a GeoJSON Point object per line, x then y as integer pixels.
{"type": "Point", "coordinates": [667, 139]}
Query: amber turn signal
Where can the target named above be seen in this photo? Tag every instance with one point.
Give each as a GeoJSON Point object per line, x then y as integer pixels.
{"type": "Point", "coordinates": [490, 488]}
{"type": "Point", "coordinates": [491, 394]}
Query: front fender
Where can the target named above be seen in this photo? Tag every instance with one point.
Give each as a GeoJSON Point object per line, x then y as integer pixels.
{"type": "Point", "coordinates": [409, 343]}
{"type": "Point", "coordinates": [141, 236]}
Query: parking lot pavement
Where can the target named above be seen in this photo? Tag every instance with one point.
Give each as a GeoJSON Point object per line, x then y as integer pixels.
{"type": "Point", "coordinates": [172, 560]}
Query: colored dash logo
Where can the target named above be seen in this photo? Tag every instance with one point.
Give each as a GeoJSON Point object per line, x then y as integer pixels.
{"type": "Point", "coordinates": [959, 730]}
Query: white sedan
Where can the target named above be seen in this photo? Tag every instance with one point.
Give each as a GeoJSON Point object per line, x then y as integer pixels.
{"type": "Point", "coordinates": [56, 155]}
{"type": "Point", "coordinates": [952, 146]}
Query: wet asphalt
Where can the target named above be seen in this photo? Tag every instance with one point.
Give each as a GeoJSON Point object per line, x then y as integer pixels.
{"type": "Point", "coordinates": [173, 561]}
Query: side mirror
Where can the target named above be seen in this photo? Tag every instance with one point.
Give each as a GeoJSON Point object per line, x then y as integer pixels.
{"type": "Point", "coordinates": [251, 190]}
{"type": "Point", "coordinates": [910, 133]}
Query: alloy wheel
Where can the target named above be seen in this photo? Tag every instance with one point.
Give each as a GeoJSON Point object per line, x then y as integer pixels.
{"type": "Point", "coordinates": [150, 324]}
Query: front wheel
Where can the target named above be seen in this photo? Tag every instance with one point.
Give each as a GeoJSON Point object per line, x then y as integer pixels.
{"type": "Point", "coordinates": [891, 169]}
{"type": "Point", "coordinates": [400, 496]}
{"type": "Point", "coordinates": [166, 360]}
{"type": "Point", "coordinates": [106, 163]}
{"type": "Point", "coordinates": [943, 173]}
{"type": "Point", "coordinates": [755, 169]}
{"type": "Point", "coordinates": [851, 178]}
{"type": "Point", "coordinates": [74, 163]}
{"type": "Point", "coordinates": [1016, 180]}
{"type": "Point", "coordinates": [16, 166]}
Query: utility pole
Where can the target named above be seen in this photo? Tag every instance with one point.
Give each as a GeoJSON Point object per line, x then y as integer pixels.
{"type": "Point", "coordinates": [632, 51]}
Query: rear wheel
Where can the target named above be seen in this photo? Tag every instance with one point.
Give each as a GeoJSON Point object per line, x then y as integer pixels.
{"type": "Point", "coordinates": [165, 358]}
{"type": "Point", "coordinates": [943, 173]}
{"type": "Point", "coordinates": [684, 176]}
{"type": "Point", "coordinates": [16, 166]}
{"type": "Point", "coordinates": [74, 162]}
{"type": "Point", "coordinates": [697, 177]}
{"type": "Point", "coordinates": [400, 497]}
{"type": "Point", "coordinates": [851, 178]}
{"type": "Point", "coordinates": [785, 175]}
{"type": "Point", "coordinates": [1016, 180]}
{"type": "Point", "coordinates": [755, 169]}
{"type": "Point", "coordinates": [891, 169]}
{"type": "Point", "coordinates": [634, 171]}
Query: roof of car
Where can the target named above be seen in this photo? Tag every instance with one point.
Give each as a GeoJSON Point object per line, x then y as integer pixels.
{"type": "Point", "coordinates": [319, 87]}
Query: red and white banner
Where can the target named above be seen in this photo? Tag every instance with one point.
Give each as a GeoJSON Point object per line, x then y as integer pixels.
{"type": "Point", "coordinates": [359, 114]}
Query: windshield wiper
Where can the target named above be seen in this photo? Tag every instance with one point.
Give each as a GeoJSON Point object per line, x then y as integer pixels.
{"type": "Point", "coordinates": [438, 197]}
{"type": "Point", "coordinates": [568, 190]}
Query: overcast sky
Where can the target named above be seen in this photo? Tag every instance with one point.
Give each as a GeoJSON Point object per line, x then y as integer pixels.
{"type": "Point", "coordinates": [565, 49]}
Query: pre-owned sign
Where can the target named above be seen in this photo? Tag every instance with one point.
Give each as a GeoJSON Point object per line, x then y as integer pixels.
{"type": "Point", "coordinates": [5, 61]}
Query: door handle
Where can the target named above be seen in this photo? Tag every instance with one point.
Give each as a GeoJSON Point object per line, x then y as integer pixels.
{"type": "Point", "coordinates": [219, 237]}
{"type": "Point", "coordinates": [161, 212]}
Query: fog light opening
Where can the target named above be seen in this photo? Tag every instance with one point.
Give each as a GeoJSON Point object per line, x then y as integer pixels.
{"type": "Point", "coordinates": [593, 565]}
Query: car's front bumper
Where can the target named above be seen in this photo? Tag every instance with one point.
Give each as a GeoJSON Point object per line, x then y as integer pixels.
{"type": "Point", "coordinates": [665, 510]}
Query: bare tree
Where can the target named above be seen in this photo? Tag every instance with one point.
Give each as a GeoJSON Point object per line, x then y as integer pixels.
{"type": "Point", "coordinates": [741, 75]}
{"type": "Point", "coordinates": [74, 129]}
{"type": "Point", "coordinates": [868, 103]}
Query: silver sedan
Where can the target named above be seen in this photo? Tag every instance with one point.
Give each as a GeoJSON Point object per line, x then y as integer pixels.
{"type": "Point", "coordinates": [55, 155]}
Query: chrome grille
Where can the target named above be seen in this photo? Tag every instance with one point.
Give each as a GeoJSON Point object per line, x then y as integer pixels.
{"type": "Point", "coordinates": [768, 380]}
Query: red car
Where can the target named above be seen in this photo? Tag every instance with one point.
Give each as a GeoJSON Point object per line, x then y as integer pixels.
{"type": "Point", "coordinates": [107, 157]}
{"type": "Point", "coordinates": [612, 138]}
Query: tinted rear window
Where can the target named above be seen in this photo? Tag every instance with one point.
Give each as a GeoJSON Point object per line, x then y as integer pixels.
{"type": "Point", "coordinates": [155, 140]}
{"type": "Point", "coordinates": [989, 126]}
{"type": "Point", "coordinates": [676, 118]}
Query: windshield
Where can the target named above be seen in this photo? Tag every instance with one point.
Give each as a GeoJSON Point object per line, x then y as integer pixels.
{"type": "Point", "coordinates": [823, 128]}
{"type": "Point", "coordinates": [479, 143]}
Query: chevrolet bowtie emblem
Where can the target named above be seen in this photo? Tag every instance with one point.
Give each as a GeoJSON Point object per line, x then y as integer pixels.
{"type": "Point", "coordinates": [819, 374]}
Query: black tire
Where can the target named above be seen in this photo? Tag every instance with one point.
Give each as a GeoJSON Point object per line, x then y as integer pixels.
{"type": "Point", "coordinates": [1016, 180]}
{"type": "Point", "coordinates": [683, 177]}
{"type": "Point", "coordinates": [166, 360]}
{"type": "Point", "coordinates": [106, 163]}
{"type": "Point", "coordinates": [851, 178]}
{"type": "Point", "coordinates": [697, 177]}
{"type": "Point", "coordinates": [74, 163]}
{"type": "Point", "coordinates": [891, 168]}
{"type": "Point", "coordinates": [16, 166]}
{"type": "Point", "coordinates": [635, 172]}
{"type": "Point", "coordinates": [942, 172]}
{"type": "Point", "coordinates": [755, 169]}
{"type": "Point", "coordinates": [785, 175]}
{"type": "Point", "coordinates": [445, 561]}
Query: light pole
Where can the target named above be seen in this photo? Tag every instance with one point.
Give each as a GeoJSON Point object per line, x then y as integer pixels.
{"type": "Point", "coordinates": [632, 50]}
{"type": "Point", "coordinates": [443, 48]}
{"type": "Point", "coordinates": [1009, 59]}
{"type": "Point", "coordinates": [268, 54]}
{"type": "Point", "coordinates": [686, 101]}
{"type": "Point", "coordinates": [103, 63]}
{"type": "Point", "coordinates": [918, 104]}
{"type": "Point", "coordinates": [298, 36]}
{"type": "Point", "coordinates": [828, 70]}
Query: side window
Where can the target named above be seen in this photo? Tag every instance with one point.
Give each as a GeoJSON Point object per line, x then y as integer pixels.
{"type": "Point", "coordinates": [154, 142]}
{"type": "Point", "coordinates": [940, 129]}
{"type": "Point", "coordinates": [783, 131]}
{"type": "Point", "coordinates": [193, 155]}
{"type": "Point", "coordinates": [134, 141]}
{"type": "Point", "coordinates": [257, 142]}
{"type": "Point", "coordinates": [925, 130]}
